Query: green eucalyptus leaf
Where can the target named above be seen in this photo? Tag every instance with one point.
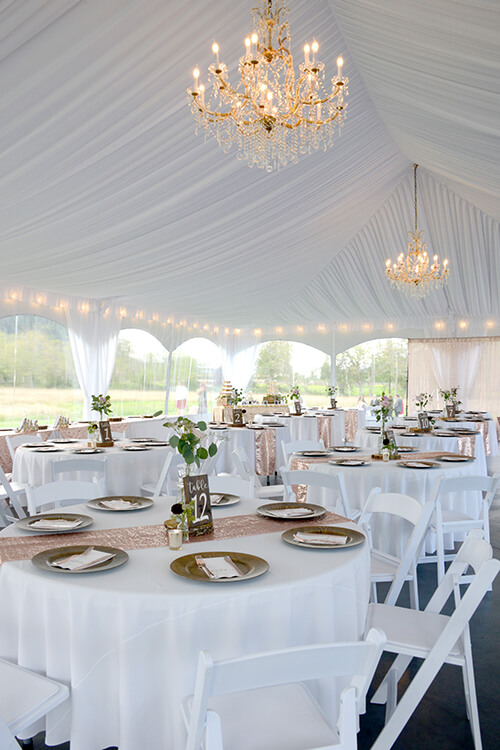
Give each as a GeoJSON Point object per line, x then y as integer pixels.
{"type": "Point", "coordinates": [174, 441]}
{"type": "Point", "coordinates": [202, 453]}
{"type": "Point", "coordinates": [212, 449]}
{"type": "Point", "coordinates": [188, 456]}
{"type": "Point", "coordinates": [202, 426]}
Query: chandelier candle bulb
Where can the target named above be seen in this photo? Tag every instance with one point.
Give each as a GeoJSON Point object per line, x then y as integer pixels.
{"type": "Point", "coordinates": [340, 63]}
{"type": "Point", "coordinates": [307, 49]}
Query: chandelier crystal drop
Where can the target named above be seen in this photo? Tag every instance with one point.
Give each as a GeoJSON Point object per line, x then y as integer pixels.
{"type": "Point", "coordinates": [413, 274]}
{"type": "Point", "coordinates": [272, 117]}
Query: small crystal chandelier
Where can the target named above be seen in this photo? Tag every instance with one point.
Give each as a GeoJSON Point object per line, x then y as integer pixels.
{"type": "Point", "coordinates": [272, 117]}
{"type": "Point", "coordinates": [413, 274]}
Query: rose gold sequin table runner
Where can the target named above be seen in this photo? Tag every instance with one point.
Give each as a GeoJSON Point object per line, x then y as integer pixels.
{"type": "Point", "coordinates": [265, 451]}
{"type": "Point", "coordinates": [351, 424]}
{"type": "Point", "coordinates": [304, 463]}
{"type": "Point", "coordinates": [325, 430]}
{"type": "Point", "coordinates": [146, 537]}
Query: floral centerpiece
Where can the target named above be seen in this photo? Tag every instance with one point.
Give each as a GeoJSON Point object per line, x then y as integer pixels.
{"type": "Point", "coordinates": [102, 405]}
{"type": "Point", "coordinates": [294, 393]}
{"type": "Point", "coordinates": [382, 413]}
{"type": "Point", "coordinates": [331, 390]}
{"type": "Point", "coordinates": [450, 395]}
{"type": "Point", "coordinates": [421, 400]}
{"type": "Point", "coordinates": [235, 397]}
{"type": "Point", "coordinates": [187, 442]}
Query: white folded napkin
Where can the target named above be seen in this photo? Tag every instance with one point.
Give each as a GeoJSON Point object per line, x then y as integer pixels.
{"type": "Point", "coordinates": [82, 560]}
{"type": "Point", "coordinates": [56, 523]}
{"type": "Point", "coordinates": [417, 464]}
{"type": "Point", "coordinates": [311, 538]}
{"type": "Point", "coordinates": [118, 504]}
{"type": "Point", "coordinates": [218, 567]}
{"type": "Point", "coordinates": [218, 499]}
{"type": "Point", "coordinates": [290, 512]}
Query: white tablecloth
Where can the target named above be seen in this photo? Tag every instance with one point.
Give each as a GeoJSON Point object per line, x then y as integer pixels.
{"type": "Point", "coordinates": [127, 470]}
{"type": "Point", "coordinates": [487, 428]}
{"type": "Point", "coordinates": [427, 442]}
{"type": "Point", "coordinates": [127, 640]}
{"type": "Point", "coordinates": [418, 483]}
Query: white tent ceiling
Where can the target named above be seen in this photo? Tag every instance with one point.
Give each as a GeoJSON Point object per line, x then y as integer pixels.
{"type": "Point", "coordinates": [106, 192]}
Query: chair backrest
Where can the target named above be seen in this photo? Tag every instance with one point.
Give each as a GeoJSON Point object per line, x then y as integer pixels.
{"type": "Point", "coordinates": [13, 499]}
{"type": "Point", "coordinates": [333, 482]}
{"type": "Point", "coordinates": [355, 660]}
{"type": "Point", "coordinates": [392, 503]}
{"type": "Point", "coordinates": [477, 553]}
{"type": "Point", "coordinates": [13, 441]}
{"type": "Point", "coordinates": [61, 493]}
{"type": "Point", "coordinates": [484, 484]}
{"type": "Point", "coordinates": [167, 481]}
{"type": "Point", "coordinates": [231, 485]}
{"type": "Point", "coordinates": [242, 464]}
{"type": "Point", "coordinates": [300, 445]}
{"type": "Point", "coordinates": [86, 467]}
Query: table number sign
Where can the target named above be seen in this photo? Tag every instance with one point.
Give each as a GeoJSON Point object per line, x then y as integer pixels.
{"type": "Point", "coordinates": [390, 436]}
{"type": "Point", "coordinates": [238, 420]}
{"type": "Point", "coordinates": [298, 407]}
{"type": "Point", "coordinates": [196, 490]}
{"type": "Point", "coordinates": [105, 433]}
{"type": "Point", "coordinates": [423, 421]}
{"type": "Point", "coordinates": [451, 411]}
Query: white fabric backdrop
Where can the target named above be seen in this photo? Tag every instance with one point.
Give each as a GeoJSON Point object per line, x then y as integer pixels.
{"type": "Point", "coordinates": [93, 337]}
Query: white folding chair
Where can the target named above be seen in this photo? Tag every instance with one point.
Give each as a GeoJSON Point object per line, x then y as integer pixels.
{"type": "Point", "coordinates": [14, 441]}
{"type": "Point", "coordinates": [332, 482]}
{"type": "Point", "coordinates": [386, 568]}
{"type": "Point", "coordinates": [259, 701]}
{"type": "Point", "coordinates": [299, 445]}
{"type": "Point", "coordinates": [167, 481]}
{"type": "Point", "coordinates": [87, 468]}
{"type": "Point", "coordinates": [60, 494]}
{"type": "Point", "coordinates": [245, 470]}
{"type": "Point", "coordinates": [24, 698]}
{"type": "Point", "coordinates": [434, 637]}
{"type": "Point", "coordinates": [455, 522]}
{"type": "Point", "coordinates": [13, 496]}
{"type": "Point", "coordinates": [227, 484]}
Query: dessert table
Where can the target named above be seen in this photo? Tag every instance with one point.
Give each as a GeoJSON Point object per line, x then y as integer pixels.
{"type": "Point", "coordinates": [127, 470]}
{"type": "Point", "coordinates": [391, 477]}
{"type": "Point", "coordinates": [127, 640]}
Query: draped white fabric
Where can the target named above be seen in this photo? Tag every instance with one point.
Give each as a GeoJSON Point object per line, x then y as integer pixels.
{"type": "Point", "coordinates": [470, 363]}
{"type": "Point", "coordinates": [238, 357]}
{"type": "Point", "coordinates": [93, 337]}
{"type": "Point", "coordinates": [107, 192]}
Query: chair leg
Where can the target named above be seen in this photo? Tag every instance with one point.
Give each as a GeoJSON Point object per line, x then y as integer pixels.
{"type": "Point", "coordinates": [398, 667]}
{"type": "Point", "coordinates": [440, 555]}
{"type": "Point", "coordinates": [392, 693]}
{"type": "Point", "coordinates": [470, 694]}
{"type": "Point", "coordinates": [373, 597]}
{"type": "Point", "coordinates": [414, 601]}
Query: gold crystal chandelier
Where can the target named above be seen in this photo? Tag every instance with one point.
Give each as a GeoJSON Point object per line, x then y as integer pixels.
{"type": "Point", "coordinates": [413, 274]}
{"type": "Point", "coordinates": [272, 117]}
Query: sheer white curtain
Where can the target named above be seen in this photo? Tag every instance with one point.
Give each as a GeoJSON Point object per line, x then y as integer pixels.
{"type": "Point", "coordinates": [238, 356]}
{"type": "Point", "coordinates": [93, 336]}
{"type": "Point", "coordinates": [472, 364]}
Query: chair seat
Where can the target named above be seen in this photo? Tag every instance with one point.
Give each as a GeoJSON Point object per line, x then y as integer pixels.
{"type": "Point", "coordinates": [16, 487]}
{"type": "Point", "coordinates": [272, 490]}
{"type": "Point", "coordinates": [383, 569]}
{"type": "Point", "coordinates": [28, 696]}
{"type": "Point", "coordinates": [410, 631]}
{"type": "Point", "coordinates": [284, 717]}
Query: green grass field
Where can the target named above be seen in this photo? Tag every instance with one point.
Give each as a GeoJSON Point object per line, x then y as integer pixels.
{"type": "Point", "coordinates": [46, 404]}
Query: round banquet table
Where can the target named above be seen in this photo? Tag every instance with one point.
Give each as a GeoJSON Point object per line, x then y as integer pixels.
{"type": "Point", "coordinates": [127, 640]}
{"type": "Point", "coordinates": [127, 470]}
{"type": "Point", "coordinates": [418, 483]}
{"type": "Point", "coordinates": [485, 425]}
{"type": "Point", "coordinates": [429, 442]}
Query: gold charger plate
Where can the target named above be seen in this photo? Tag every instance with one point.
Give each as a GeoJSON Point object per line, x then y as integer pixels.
{"type": "Point", "coordinates": [353, 537]}
{"type": "Point", "coordinates": [407, 449]}
{"type": "Point", "coordinates": [314, 454]}
{"type": "Point", "coordinates": [420, 464]}
{"type": "Point", "coordinates": [316, 511]}
{"type": "Point", "coordinates": [456, 459]}
{"type": "Point", "coordinates": [136, 503]}
{"type": "Point", "coordinates": [250, 566]}
{"type": "Point", "coordinates": [44, 559]}
{"type": "Point", "coordinates": [349, 462]}
{"type": "Point", "coordinates": [135, 448]}
{"type": "Point", "coordinates": [26, 523]}
{"type": "Point", "coordinates": [44, 449]}
{"type": "Point", "coordinates": [345, 448]}
{"type": "Point", "coordinates": [226, 499]}
{"type": "Point", "coordinates": [88, 451]}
